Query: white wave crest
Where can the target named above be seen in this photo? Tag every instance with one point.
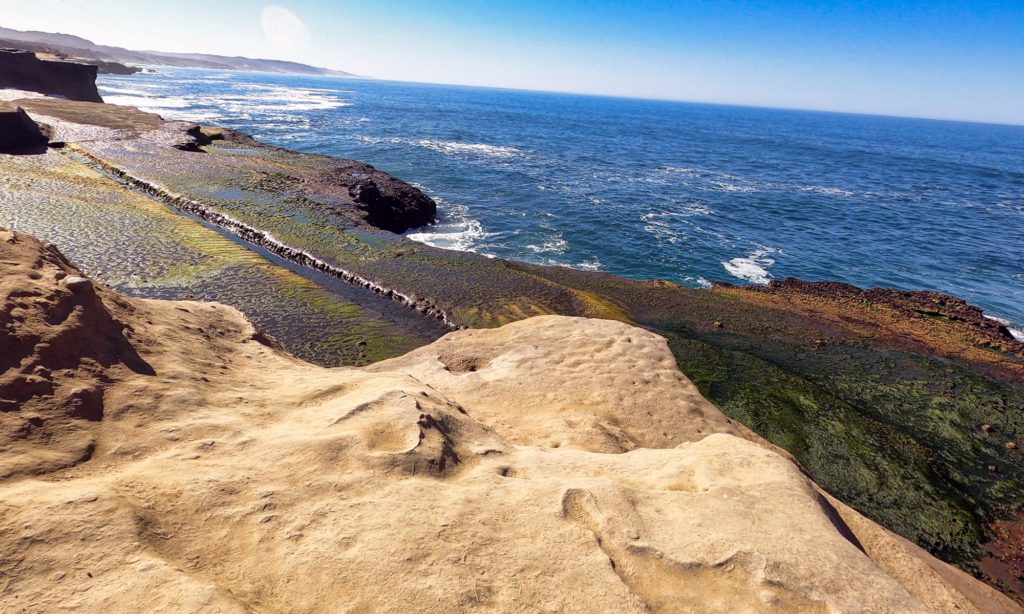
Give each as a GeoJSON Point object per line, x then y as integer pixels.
{"type": "Point", "coordinates": [557, 245]}
{"type": "Point", "coordinates": [450, 147]}
{"type": "Point", "coordinates": [709, 180]}
{"type": "Point", "coordinates": [457, 230]}
{"type": "Point", "coordinates": [146, 103]}
{"type": "Point", "coordinates": [480, 149]}
{"type": "Point", "coordinates": [121, 90]}
{"type": "Point", "coordinates": [753, 267]}
{"type": "Point", "coordinates": [1016, 333]}
{"type": "Point", "coordinates": [817, 189]}
{"type": "Point", "coordinates": [588, 265]}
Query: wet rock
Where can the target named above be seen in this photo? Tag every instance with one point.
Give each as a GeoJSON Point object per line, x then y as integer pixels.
{"type": "Point", "coordinates": [911, 303]}
{"type": "Point", "coordinates": [392, 204]}
{"type": "Point", "coordinates": [358, 191]}
{"type": "Point", "coordinates": [194, 139]}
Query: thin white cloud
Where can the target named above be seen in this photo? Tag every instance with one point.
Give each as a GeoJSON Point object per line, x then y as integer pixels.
{"type": "Point", "coordinates": [283, 28]}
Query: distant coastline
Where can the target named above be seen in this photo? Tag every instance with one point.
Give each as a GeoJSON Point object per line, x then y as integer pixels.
{"type": "Point", "coordinates": [80, 49]}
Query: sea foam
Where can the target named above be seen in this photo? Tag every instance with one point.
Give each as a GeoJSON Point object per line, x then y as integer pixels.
{"type": "Point", "coordinates": [753, 267]}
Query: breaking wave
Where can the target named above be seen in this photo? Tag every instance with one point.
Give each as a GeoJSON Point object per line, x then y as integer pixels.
{"type": "Point", "coordinates": [753, 267]}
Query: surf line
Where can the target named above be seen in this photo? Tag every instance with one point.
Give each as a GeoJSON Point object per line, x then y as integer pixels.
{"type": "Point", "coordinates": [254, 235]}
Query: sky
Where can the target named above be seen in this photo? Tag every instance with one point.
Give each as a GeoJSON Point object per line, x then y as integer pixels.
{"type": "Point", "coordinates": [937, 59]}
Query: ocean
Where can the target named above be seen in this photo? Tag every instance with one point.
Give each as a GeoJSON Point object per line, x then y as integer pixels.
{"type": "Point", "coordinates": [654, 189]}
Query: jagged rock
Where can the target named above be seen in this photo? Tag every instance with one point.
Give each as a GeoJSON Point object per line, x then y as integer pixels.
{"type": "Point", "coordinates": [22, 70]}
{"type": "Point", "coordinates": [470, 474]}
{"type": "Point", "coordinates": [388, 202]}
{"type": "Point", "coordinates": [18, 133]}
{"type": "Point", "coordinates": [78, 284]}
{"type": "Point", "coordinates": [392, 204]}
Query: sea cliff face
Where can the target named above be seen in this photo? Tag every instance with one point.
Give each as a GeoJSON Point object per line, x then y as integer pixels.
{"type": "Point", "coordinates": [23, 70]}
{"type": "Point", "coordinates": [905, 405]}
{"type": "Point", "coordinates": [167, 455]}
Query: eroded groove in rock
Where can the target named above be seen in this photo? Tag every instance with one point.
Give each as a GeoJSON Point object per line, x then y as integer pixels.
{"type": "Point", "coordinates": [259, 237]}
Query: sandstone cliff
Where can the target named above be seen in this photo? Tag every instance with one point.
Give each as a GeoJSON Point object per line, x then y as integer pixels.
{"type": "Point", "coordinates": [23, 70]}
{"type": "Point", "coordinates": [165, 455]}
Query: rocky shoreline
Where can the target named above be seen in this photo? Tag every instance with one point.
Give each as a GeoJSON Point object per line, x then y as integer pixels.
{"type": "Point", "coordinates": [880, 395]}
{"type": "Point", "coordinates": [163, 455]}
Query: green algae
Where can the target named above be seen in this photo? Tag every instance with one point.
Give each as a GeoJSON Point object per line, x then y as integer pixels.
{"type": "Point", "coordinates": [894, 435]}
{"type": "Point", "coordinates": [141, 247]}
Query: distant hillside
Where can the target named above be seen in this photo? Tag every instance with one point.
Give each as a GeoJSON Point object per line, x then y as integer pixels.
{"type": "Point", "coordinates": [79, 48]}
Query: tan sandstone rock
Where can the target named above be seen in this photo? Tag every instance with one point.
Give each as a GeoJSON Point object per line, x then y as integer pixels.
{"type": "Point", "coordinates": [555, 464]}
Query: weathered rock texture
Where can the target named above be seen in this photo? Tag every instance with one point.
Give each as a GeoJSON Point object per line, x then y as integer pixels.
{"type": "Point", "coordinates": [486, 471]}
{"type": "Point", "coordinates": [22, 70]}
{"type": "Point", "coordinates": [18, 133]}
{"type": "Point", "coordinates": [883, 396]}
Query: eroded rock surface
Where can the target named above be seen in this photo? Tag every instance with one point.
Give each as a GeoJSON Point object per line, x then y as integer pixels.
{"type": "Point", "coordinates": [227, 476]}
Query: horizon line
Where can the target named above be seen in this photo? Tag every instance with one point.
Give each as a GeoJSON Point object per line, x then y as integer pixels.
{"type": "Point", "coordinates": [617, 96]}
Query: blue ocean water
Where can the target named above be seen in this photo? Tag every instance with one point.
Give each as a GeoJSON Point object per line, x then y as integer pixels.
{"type": "Point", "coordinates": [651, 189]}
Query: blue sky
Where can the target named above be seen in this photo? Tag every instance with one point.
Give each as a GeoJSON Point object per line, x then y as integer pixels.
{"type": "Point", "coordinates": [942, 59]}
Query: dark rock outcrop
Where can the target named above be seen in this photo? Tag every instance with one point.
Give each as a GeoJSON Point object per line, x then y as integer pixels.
{"type": "Point", "coordinates": [18, 133]}
{"type": "Point", "coordinates": [388, 202]}
{"type": "Point", "coordinates": [392, 204]}
{"type": "Point", "coordinates": [22, 70]}
{"type": "Point", "coordinates": [110, 68]}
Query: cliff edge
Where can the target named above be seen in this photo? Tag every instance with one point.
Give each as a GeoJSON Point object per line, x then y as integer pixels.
{"type": "Point", "coordinates": [23, 70]}
{"type": "Point", "coordinates": [166, 455]}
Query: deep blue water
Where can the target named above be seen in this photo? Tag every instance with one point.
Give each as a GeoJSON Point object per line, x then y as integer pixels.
{"type": "Point", "coordinates": [651, 189]}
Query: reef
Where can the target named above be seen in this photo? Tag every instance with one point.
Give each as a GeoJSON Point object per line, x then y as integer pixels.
{"type": "Point", "coordinates": [905, 406]}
